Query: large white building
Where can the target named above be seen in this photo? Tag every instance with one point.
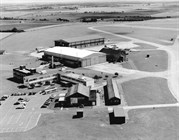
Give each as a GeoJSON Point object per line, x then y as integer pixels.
{"type": "Point", "coordinates": [74, 57]}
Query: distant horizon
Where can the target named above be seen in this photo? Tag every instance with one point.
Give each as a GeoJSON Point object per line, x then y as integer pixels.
{"type": "Point", "coordinates": [77, 1]}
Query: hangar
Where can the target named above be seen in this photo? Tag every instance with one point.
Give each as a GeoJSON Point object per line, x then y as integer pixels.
{"type": "Point", "coordinates": [73, 57]}
{"type": "Point", "coordinates": [81, 42]}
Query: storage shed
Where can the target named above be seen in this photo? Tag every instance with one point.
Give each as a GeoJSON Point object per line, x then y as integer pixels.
{"type": "Point", "coordinates": [111, 93]}
{"type": "Point", "coordinates": [117, 115]}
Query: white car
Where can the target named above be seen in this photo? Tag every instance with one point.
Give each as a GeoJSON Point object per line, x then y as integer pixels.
{"type": "Point", "coordinates": [21, 107]}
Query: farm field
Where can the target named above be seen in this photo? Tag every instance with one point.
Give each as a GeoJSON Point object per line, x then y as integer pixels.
{"type": "Point", "coordinates": [157, 60]}
{"type": "Point", "coordinates": [147, 91]}
{"type": "Point", "coordinates": [166, 23]}
{"type": "Point", "coordinates": [142, 124]}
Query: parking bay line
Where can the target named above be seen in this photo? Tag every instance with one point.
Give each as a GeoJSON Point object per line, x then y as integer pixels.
{"type": "Point", "coordinates": [32, 121]}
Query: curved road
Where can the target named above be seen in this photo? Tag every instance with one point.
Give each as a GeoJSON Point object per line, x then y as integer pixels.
{"type": "Point", "coordinates": [173, 53]}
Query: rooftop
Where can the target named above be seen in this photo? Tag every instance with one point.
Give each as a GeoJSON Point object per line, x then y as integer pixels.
{"type": "Point", "coordinates": [112, 89]}
{"type": "Point", "coordinates": [71, 51]}
{"type": "Point", "coordinates": [82, 38]}
{"type": "Point", "coordinates": [119, 112]}
{"type": "Point", "coordinates": [79, 88]}
{"type": "Point", "coordinates": [76, 76]}
{"type": "Point", "coordinates": [48, 72]}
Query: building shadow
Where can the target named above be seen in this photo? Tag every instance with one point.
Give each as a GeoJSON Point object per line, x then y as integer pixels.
{"type": "Point", "coordinates": [12, 79]}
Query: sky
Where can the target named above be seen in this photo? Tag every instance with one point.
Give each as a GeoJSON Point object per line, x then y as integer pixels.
{"type": "Point", "coordinates": [67, 1]}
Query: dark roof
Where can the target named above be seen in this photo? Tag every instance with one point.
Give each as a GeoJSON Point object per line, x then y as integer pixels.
{"type": "Point", "coordinates": [112, 89]}
{"type": "Point", "coordinates": [78, 88]}
{"type": "Point", "coordinates": [2, 51]}
{"type": "Point", "coordinates": [82, 38]}
{"type": "Point", "coordinates": [111, 51]}
{"type": "Point", "coordinates": [119, 112]}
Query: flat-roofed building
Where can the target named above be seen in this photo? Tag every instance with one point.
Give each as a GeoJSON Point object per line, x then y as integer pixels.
{"type": "Point", "coordinates": [117, 115]}
{"type": "Point", "coordinates": [74, 57]}
{"type": "Point", "coordinates": [76, 78]}
{"type": "Point", "coordinates": [111, 93]}
{"type": "Point", "coordinates": [21, 72]}
{"type": "Point", "coordinates": [81, 42]}
{"type": "Point", "coordinates": [42, 77]}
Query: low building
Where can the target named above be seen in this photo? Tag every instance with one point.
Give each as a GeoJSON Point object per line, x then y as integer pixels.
{"type": "Point", "coordinates": [79, 95]}
{"type": "Point", "coordinates": [111, 93]}
{"type": "Point", "coordinates": [81, 42]}
{"type": "Point", "coordinates": [2, 52]}
{"type": "Point", "coordinates": [44, 76]}
{"type": "Point", "coordinates": [74, 57]}
{"type": "Point", "coordinates": [115, 55]}
{"type": "Point", "coordinates": [76, 78]}
{"type": "Point", "coordinates": [117, 115]}
{"type": "Point", "coordinates": [21, 72]}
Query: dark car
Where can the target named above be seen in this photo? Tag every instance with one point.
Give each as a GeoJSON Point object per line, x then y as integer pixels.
{"type": "Point", "coordinates": [20, 99]}
{"type": "Point", "coordinates": [16, 103]}
{"type": "Point", "coordinates": [43, 106]}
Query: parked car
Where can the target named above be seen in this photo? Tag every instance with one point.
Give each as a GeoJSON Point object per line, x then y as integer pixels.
{"type": "Point", "coordinates": [43, 106]}
{"type": "Point", "coordinates": [20, 99]}
{"type": "Point", "coordinates": [21, 107]}
{"type": "Point", "coordinates": [16, 103]}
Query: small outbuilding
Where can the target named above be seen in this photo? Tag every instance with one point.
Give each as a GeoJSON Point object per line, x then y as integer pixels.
{"type": "Point", "coordinates": [117, 115]}
{"type": "Point", "coordinates": [111, 93]}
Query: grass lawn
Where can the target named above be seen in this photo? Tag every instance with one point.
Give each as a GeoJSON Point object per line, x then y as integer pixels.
{"type": "Point", "coordinates": [151, 124]}
{"type": "Point", "coordinates": [45, 37]}
{"type": "Point", "coordinates": [147, 91]}
{"type": "Point", "coordinates": [144, 46]}
{"type": "Point", "coordinates": [157, 61]}
{"type": "Point", "coordinates": [147, 124]}
{"type": "Point", "coordinates": [22, 26]}
{"type": "Point", "coordinates": [151, 35]}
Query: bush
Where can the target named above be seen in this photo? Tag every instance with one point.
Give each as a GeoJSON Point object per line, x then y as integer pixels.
{"type": "Point", "coordinates": [116, 74]}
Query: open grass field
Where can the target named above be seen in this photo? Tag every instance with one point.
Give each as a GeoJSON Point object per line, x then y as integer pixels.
{"type": "Point", "coordinates": [144, 46]}
{"type": "Point", "coordinates": [30, 40]}
{"type": "Point", "coordinates": [4, 35]}
{"type": "Point", "coordinates": [23, 26]}
{"type": "Point", "coordinates": [157, 60]}
{"type": "Point", "coordinates": [147, 124]}
{"type": "Point", "coordinates": [160, 36]}
{"type": "Point", "coordinates": [165, 23]}
{"type": "Point", "coordinates": [147, 91]}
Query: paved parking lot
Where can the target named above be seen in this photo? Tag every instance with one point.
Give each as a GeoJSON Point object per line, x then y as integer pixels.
{"type": "Point", "coordinates": [20, 120]}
